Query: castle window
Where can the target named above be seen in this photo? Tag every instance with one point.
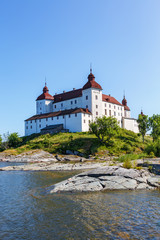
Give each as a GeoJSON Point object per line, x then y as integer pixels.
{"type": "Point", "coordinates": [84, 121]}
{"type": "Point", "coordinates": [96, 106]}
{"type": "Point", "coordinates": [35, 121]}
{"type": "Point", "coordinates": [57, 117]}
{"type": "Point", "coordinates": [46, 119]}
{"type": "Point", "coordinates": [26, 122]}
{"type": "Point", "coordinates": [75, 101]}
{"type": "Point", "coordinates": [114, 113]}
{"type": "Point", "coordinates": [109, 112]}
{"type": "Point", "coordinates": [63, 116]}
{"type": "Point", "coordinates": [86, 106]}
{"type": "Point", "coordinates": [39, 125]}
{"type": "Point", "coordinates": [86, 97]}
{"type": "Point", "coordinates": [96, 113]}
{"type": "Point", "coordinates": [110, 105]}
{"type": "Point", "coordinates": [31, 127]}
{"type": "Point", "coordinates": [69, 115]}
{"type": "Point", "coordinates": [75, 114]}
{"type": "Point", "coordinates": [54, 106]}
{"type": "Point", "coordinates": [105, 111]}
{"type": "Point", "coordinates": [118, 114]}
{"type": "Point", "coordinates": [118, 108]}
{"type": "Point", "coordinates": [71, 102]}
{"type": "Point", "coordinates": [39, 120]}
{"type": "Point", "coordinates": [31, 121]}
{"type": "Point", "coordinates": [40, 108]}
{"type": "Point", "coordinates": [27, 127]}
{"type": "Point", "coordinates": [52, 118]}
{"type": "Point", "coordinates": [84, 114]}
{"type": "Point", "coordinates": [105, 104]}
{"type": "Point", "coordinates": [46, 125]}
{"type": "Point", "coordinates": [61, 104]}
{"type": "Point", "coordinates": [89, 121]}
{"type": "Point", "coordinates": [96, 97]}
{"type": "Point", "coordinates": [114, 107]}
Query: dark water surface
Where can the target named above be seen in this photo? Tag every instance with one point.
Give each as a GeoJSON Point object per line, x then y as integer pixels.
{"type": "Point", "coordinates": [25, 213]}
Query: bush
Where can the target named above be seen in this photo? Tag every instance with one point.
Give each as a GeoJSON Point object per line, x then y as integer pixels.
{"type": "Point", "coordinates": [127, 164]}
{"type": "Point", "coordinates": [153, 149]}
{"type": "Point", "coordinates": [14, 140]}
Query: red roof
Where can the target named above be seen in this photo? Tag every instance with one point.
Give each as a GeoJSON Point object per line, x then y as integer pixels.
{"type": "Point", "coordinates": [126, 108]}
{"type": "Point", "coordinates": [92, 83]}
{"type": "Point", "coordinates": [59, 113]}
{"type": "Point", "coordinates": [68, 95]}
{"type": "Point", "coordinates": [108, 98]}
{"type": "Point", "coordinates": [45, 95]}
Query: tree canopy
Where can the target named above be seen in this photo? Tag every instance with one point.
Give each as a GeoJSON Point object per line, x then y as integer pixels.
{"type": "Point", "coordinates": [14, 140]}
{"type": "Point", "coordinates": [104, 128]}
{"type": "Point", "coordinates": [143, 124]}
{"type": "Point", "coordinates": [155, 126]}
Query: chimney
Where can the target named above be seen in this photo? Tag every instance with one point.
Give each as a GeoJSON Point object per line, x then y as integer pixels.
{"type": "Point", "coordinates": [64, 91]}
{"type": "Point", "coordinates": [74, 89]}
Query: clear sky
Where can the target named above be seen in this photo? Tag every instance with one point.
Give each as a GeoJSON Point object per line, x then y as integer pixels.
{"type": "Point", "coordinates": [58, 39]}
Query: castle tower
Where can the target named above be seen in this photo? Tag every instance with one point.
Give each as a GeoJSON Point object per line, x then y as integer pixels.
{"type": "Point", "coordinates": [92, 96]}
{"type": "Point", "coordinates": [44, 102]}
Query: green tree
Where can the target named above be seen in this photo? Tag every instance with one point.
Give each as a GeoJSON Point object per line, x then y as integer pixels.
{"type": "Point", "coordinates": [104, 128]}
{"type": "Point", "coordinates": [14, 140]}
{"type": "Point", "coordinates": [143, 124]}
{"type": "Point", "coordinates": [0, 142]}
{"type": "Point", "coordinates": [155, 126]}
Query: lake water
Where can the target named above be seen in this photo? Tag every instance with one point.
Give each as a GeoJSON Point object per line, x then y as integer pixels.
{"type": "Point", "coordinates": [27, 213]}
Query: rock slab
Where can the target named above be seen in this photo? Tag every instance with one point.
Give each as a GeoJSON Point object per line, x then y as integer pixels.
{"type": "Point", "coordinates": [108, 178]}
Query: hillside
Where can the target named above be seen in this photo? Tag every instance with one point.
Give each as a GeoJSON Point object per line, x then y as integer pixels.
{"type": "Point", "coordinates": [126, 142]}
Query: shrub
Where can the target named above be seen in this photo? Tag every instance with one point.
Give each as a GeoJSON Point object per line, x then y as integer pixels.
{"type": "Point", "coordinates": [127, 164]}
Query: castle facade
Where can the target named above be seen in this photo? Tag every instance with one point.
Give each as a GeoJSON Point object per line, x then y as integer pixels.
{"type": "Point", "coordinates": [73, 111]}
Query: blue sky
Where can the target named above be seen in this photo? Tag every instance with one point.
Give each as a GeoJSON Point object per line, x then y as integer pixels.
{"type": "Point", "coordinates": [58, 39]}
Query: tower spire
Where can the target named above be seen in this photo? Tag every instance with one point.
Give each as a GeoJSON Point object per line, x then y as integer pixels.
{"type": "Point", "coordinates": [45, 82]}
{"type": "Point", "coordinates": [90, 67]}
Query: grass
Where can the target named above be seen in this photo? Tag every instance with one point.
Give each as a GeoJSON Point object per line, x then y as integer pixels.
{"type": "Point", "coordinates": [126, 145]}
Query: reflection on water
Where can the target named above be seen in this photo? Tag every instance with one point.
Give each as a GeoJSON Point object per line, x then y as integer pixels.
{"type": "Point", "coordinates": [25, 213]}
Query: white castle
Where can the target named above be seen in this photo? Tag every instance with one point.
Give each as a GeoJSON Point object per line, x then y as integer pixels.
{"type": "Point", "coordinates": [73, 111]}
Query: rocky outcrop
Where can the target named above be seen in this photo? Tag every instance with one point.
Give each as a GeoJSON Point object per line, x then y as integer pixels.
{"type": "Point", "coordinates": [51, 166]}
{"type": "Point", "coordinates": [108, 178]}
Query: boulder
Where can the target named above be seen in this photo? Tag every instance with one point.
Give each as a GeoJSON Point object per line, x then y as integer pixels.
{"type": "Point", "coordinates": [108, 178]}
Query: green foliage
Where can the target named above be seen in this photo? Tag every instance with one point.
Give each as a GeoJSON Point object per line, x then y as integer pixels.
{"type": "Point", "coordinates": [127, 157]}
{"type": "Point", "coordinates": [104, 128]}
{"type": "Point", "coordinates": [127, 164]}
{"type": "Point", "coordinates": [14, 140]}
{"type": "Point", "coordinates": [155, 126]}
{"type": "Point", "coordinates": [143, 124]}
{"type": "Point", "coordinates": [123, 143]}
{"type": "Point", "coordinates": [0, 142]}
{"type": "Point", "coordinates": [153, 149]}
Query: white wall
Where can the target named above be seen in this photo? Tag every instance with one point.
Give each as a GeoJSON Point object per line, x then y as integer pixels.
{"type": "Point", "coordinates": [73, 122]}
{"type": "Point", "coordinates": [43, 106]}
{"type": "Point", "coordinates": [68, 104]}
{"type": "Point", "coordinates": [130, 124]}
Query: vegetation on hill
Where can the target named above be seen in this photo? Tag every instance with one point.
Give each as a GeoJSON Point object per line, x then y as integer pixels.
{"type": "Point", "coordinates": [104, 139]}
{"type": "Point", "coordinates": [125, 142]}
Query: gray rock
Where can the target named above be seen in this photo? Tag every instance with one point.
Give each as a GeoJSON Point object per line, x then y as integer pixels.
{"type": "Point", "coordinates": [83, 185]}
{"type": "Point", "coordinates": [154, 181]}
{"type": "Point", "coordinates": [108, 178]}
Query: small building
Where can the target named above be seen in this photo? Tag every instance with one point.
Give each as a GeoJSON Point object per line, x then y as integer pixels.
{"type": "Point", "coordinates": [74, 110]}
